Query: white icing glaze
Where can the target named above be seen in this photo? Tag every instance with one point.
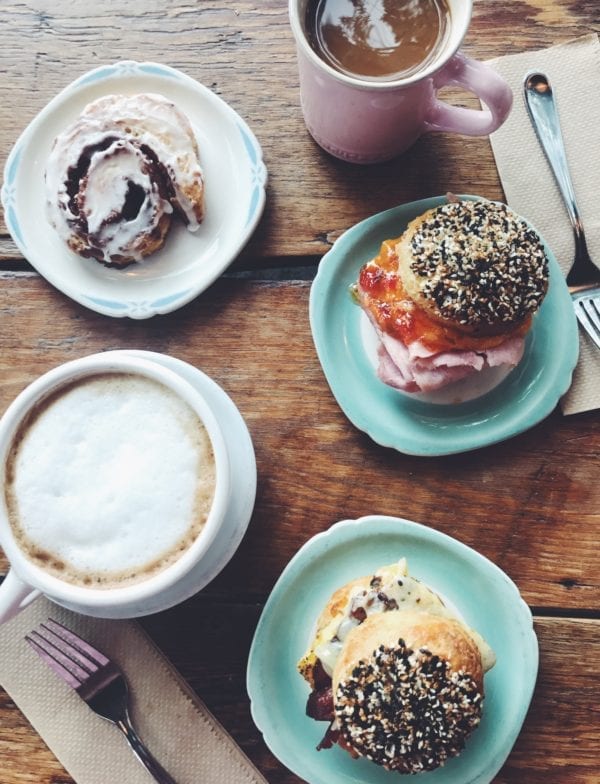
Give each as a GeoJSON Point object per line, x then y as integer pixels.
{"type": "Point", "coordinates": [128, 127]}
{"type": "Point", "coordinates": [110, 173]}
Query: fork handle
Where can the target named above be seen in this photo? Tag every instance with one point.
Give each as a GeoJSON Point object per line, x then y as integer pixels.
{"type": "Point", "coordinates": [541, 106]}
{"type": "Point", "coordinates": [153, 767]}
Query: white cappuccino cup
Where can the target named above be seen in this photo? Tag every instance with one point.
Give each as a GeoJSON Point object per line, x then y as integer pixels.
{"type": "Point", "coordinates": [115, 482]}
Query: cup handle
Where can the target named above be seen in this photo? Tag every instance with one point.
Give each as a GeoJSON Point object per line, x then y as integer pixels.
{"type": "Point", "coordinates": [15, 595]}
{"type": "Point", "coordinates": [487, 85]}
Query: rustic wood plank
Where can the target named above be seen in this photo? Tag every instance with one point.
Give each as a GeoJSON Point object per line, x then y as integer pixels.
{"type": "Point", "coordinates": [560, 738]}
{"type": "Point", "coordinates": [530, 504]}
{"type": "Point", "coordinates": [245, 53]}
{"type": "Point", "coordinates": [558, 743]}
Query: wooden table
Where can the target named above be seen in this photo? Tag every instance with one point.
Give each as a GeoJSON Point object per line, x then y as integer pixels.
{"type": "Point", "coordinates": [530, 505]}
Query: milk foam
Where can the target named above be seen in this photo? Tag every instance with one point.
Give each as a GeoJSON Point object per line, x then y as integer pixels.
{"type": "Point", "coordinates": [110, 480]}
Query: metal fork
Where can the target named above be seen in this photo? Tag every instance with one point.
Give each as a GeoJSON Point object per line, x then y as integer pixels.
{"type": "Point", "coordinates": [583, 279]}
{"type": "Point", "coordinates": [97, 680]}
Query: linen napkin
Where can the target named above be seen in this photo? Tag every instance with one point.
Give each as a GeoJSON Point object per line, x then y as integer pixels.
{"type": "Point", "coordinates": [573, 69]}
{"type": "Point", "coordinates": [170, 719]}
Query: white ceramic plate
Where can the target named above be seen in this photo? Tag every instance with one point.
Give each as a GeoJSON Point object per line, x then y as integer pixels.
{"type": "Point", "coordinates": [483, 594]}
{"type": "Point", "coordinates": [188, 263]}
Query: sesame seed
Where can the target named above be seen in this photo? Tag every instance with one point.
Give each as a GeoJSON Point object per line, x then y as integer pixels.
{"type": "Point", "coordinates": [420, 711]}
{"type": "Point", "coordinates": [478, 263]}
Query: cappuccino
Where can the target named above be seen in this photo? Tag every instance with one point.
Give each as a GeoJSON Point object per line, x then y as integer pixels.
{"type": "Point", "coordinates": [109, 480]}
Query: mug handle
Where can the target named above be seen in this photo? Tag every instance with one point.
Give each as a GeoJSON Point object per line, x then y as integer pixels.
{"type": "Point", "coordinates": [480, 79]}
{"type": "Point", "coordinates": [15, 595]}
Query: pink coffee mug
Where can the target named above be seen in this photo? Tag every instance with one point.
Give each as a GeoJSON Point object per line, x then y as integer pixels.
{"type": "Point", "coordinates": [366, 121]}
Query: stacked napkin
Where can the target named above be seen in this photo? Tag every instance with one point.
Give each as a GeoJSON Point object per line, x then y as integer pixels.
{"type": "Point", "coordinates": [573, 70]}
{"type": "Point", "coordinates": [176, 727]}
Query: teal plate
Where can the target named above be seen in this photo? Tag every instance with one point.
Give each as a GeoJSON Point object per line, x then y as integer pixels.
{"type": "Point", "coordinates": [394, 419]}
{"type": "Point", "coordinates": [486, 598]}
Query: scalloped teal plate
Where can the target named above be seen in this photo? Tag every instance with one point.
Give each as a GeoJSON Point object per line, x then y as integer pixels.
{"type": "Point", "coordinates": [484, 595]}
{"type": "Point", "coordinates": [393, 419]}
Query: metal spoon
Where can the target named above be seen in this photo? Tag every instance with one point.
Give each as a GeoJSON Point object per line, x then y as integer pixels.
{"type": "Point", "coordinates": [541, 106]}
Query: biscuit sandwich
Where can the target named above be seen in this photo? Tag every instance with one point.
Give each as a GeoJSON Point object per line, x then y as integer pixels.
{"type": "Point", "coordinates": [396, 672]}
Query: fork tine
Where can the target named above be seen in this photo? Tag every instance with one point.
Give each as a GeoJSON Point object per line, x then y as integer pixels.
{"type": "Point", "coordinates": [54, 665]}
{"type": "Point", "coordinates": [83, 647]}
{"type": "Point", "coordinates": [591, 307]}
{"type": "Point", "coordinates": [588, 314]}
{"type": "Point", "coordinates": [81, 667]}
{"type": "Point", "coordinates": [65, 649]}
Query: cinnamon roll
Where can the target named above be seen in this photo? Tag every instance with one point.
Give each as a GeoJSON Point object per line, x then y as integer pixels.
{"type": "Point", "coordinates": [119, 173]}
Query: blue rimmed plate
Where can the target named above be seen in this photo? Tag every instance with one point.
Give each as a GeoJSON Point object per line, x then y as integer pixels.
{"type": "Point", "coordinates": [409, 424]}
{"type": "Point", "coordinates": [484, 595]}
{"type": "Point", "coordinates": [188, 263]}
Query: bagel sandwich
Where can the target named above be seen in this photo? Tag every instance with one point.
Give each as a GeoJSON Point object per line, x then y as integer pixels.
{"type": "Point", "coordinates": [454, 295]}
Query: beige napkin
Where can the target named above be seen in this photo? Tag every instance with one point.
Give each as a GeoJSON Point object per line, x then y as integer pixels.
{"type": "Point", "coordinates": [574, 72]}
{"type": "Point", "coordinates": [175, 725]}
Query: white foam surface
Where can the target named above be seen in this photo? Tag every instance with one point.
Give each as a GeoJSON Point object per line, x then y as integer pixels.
{"type": "Point", "coordinates": [112, 474]}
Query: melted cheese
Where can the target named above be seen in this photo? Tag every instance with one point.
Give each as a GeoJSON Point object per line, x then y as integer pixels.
{"type": "Point", "coordinates": [390, 589]}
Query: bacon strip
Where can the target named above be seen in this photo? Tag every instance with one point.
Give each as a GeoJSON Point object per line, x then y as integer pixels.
{"type": "Point", "coordinates": [320, 705]}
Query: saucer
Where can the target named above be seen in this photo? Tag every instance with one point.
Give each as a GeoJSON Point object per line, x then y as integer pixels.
{"type": "Point", "coordinates": [485, 597]}
{"type": "Point", "coordinates": [408, 423]}
{"type": "Point", "coordinates": [235, 178]}
{"type": "Point", "coordinates": [243, 478]}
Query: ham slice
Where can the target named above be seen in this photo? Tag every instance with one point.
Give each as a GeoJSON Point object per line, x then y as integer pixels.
{"type": "Point", "coordinates": [416, 369]}
{"type": "Point", "coordinates": [508, 353]}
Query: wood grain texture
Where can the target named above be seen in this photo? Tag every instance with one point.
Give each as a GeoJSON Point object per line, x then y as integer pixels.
{"type": "Point", "coordinates": [244, 51]}
{"type": "Point", "coordinates": [530, 504]}
{"type": "Point", "coordinates": [558, 743]}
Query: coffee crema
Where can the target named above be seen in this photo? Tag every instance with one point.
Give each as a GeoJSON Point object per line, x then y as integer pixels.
{"type": "Point", "coordinates": [377, 39]}
{"type": "Point", "coordinates": [109, 480]}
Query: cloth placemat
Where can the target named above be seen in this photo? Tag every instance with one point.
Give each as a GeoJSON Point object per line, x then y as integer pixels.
{"type": "Point", "coordinates": [170, 719]}
{"type": "Point", "coordinates": [573, 69]}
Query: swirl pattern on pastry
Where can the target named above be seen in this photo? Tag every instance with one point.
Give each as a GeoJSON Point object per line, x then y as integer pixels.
{"type": "Point", "coordinates": [116, 176]}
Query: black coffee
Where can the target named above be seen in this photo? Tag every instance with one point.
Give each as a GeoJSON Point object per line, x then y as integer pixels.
{"type": "Point", "coordinates": [377, 39]}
